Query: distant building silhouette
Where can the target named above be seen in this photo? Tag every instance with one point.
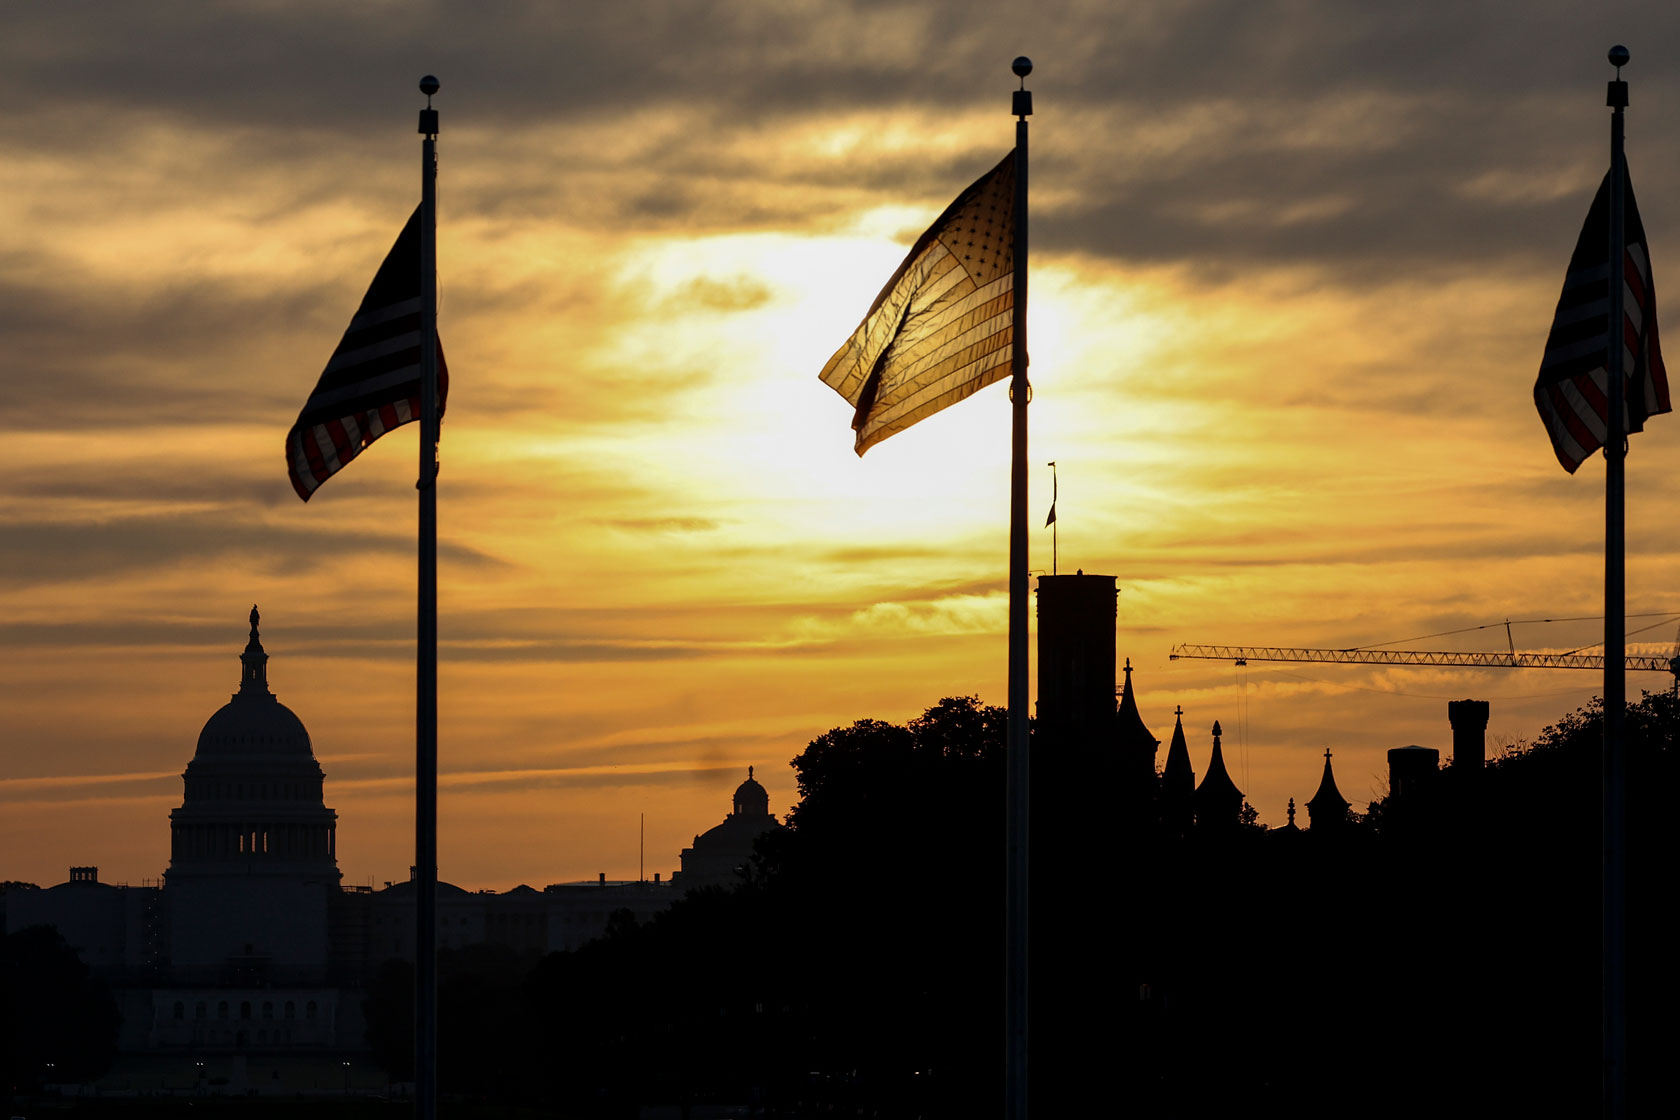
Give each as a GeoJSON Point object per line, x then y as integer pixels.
{"type": "Point", "coordinates": [250, 943]}
{"type": "Point", "coordinates": [722, 855]}
{"type": "Point", "coordinates": [253, 858]}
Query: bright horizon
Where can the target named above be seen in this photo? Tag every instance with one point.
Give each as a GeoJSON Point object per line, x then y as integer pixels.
{"type": "Point", "coordinates": [1289, 295]}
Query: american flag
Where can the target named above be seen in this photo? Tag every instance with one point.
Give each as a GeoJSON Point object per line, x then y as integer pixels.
{"type": "Point", "coordinates": [942, 327]}
{"type": "Point", "coordinates": [1572, 391]}
{"type": "Point", "coordinates": [372, 381]}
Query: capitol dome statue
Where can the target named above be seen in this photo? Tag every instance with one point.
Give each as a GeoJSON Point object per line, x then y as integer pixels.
{"type": "Point", "coordinates": [253, 853]}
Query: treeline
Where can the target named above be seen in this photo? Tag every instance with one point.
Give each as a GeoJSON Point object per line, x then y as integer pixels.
{"type": "Point", "coordinates": [857, 967]}
{"type": "Point", "coordinates": [1445, 958]}
{"type": "Point", "coordinates": [1378, 970]}
{"type": "Point", "coordinates": [58, 1022]}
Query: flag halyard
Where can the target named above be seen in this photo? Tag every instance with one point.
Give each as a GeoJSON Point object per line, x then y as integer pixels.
{"type": "Point", "coordinates": [372, 381]}
{"type": "Point", "coordinates": [942, 327]}
{"type": "Point", "coordinates": [1572, 390]}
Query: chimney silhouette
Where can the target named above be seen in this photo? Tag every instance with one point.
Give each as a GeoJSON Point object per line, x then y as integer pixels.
{"type": "Point", "coordinates": [1076, 619]}
{"type": "Point", "coordinates": [1469, 720]}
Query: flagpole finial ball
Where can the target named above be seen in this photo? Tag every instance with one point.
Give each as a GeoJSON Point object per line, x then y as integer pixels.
{"type": "Point", "coordinates": [1022, 66]}
{"type": "Point", "coordinates": [1619, 56]}
{"type": "Point", "coordinates": [428, 85]}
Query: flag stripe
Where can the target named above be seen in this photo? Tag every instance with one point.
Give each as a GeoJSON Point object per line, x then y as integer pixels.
{"type": "Point", "coordinates": [371, 382]}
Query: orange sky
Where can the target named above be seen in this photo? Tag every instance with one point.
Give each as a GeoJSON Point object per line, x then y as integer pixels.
{"type": "Point", "coordinates": [1293, 269]}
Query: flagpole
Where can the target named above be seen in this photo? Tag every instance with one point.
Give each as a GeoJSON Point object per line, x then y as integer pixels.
{"type": "Point", "coordinates": [425, 692]}
{"type": "Point", "coordinates": [1015, 923]}
{"type": "Point", "coordinates": [1614, 963]}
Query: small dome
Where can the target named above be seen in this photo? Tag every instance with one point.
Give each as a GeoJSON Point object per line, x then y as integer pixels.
{"type": "Point", "coordinates": [254, 724]}
{"type": "Point", "coordinates": [751, 800]}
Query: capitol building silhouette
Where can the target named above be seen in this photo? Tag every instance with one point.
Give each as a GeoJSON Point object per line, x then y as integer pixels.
{"type": "Point", "coordinates": [252, 943]}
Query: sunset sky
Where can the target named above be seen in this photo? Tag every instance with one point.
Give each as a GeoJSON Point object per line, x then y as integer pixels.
{"type": "Point", "coordinates": [1293, 267]}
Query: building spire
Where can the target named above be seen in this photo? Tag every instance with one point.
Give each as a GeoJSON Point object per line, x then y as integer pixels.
{"type": "Point", "coordinates": [1133, 763]}
{"type": "Point", "coordinates": [253, 675]}
{"type": "Point", "coordinates": [1218, 800]}
{"type": "Point", "coordinates": [1328, 806]}
{"type": "Point", "coordinates": [1178, 782]}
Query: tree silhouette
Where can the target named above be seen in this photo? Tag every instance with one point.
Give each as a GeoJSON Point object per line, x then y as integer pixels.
{"type": "Point", "coordinates": [57, 1022]}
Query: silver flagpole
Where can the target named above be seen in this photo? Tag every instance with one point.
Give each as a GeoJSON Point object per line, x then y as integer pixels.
{"type": "Point", "coordinates": [425, 691]}
{"type": "Point", "coordinates": [1015, 922]}
{"type": "Point", "coordinates": [1615, 685]}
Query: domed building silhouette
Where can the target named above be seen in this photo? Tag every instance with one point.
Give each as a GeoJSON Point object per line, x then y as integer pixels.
{"type": "Point", "coordinates": [722, 854]}
{"type": "Point", "coordinates": [250, 943]}
{"type": "Point", "coordinates": [253, 860]}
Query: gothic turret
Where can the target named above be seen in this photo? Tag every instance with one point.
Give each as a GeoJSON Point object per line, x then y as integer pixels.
{"type": "Point", "coordinates": [1178, 782]}
{"type": "Point", "coordinates": [1136, 745]}
{"type": "Point", "coordinates": [1328, 809]}
{"type": "Point", "coordinates": [1218, 801]}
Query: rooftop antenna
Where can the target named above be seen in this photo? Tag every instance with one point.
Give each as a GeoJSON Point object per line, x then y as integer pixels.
{"type": "Point", "coordinates": [641, 853]}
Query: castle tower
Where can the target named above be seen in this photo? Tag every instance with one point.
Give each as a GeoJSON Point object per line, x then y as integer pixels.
{"type": "Point", "coordinates": [1076, 616]}
{"type": "Point", "coordinates": [1218, 801]}
{"type": "Point", "coordinates": [253, 858]}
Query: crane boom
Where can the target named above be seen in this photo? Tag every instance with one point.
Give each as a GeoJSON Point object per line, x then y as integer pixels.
{"type": "Point", "coordinates": [1491, 660]}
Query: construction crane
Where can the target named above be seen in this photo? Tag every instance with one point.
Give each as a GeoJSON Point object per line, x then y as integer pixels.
{"type": "Point", "coordinates": [1511, 659]}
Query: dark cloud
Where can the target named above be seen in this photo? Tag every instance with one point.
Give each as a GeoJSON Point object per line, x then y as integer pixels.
{"type": "Point", "coordinates": [84, 354]}
{"type": "Point", "coordinates": [1170, 556]}
{"type": "Point", "coordinates": [1216, 134]}
{"type": "Point", "coordinates": [708, 293]}
{"type": "Point", "coordinates": [40, 552]}
{"type": "Point", "coordinates": [558, 651]}
{"type": "Point", "coordinates": [876, 554]}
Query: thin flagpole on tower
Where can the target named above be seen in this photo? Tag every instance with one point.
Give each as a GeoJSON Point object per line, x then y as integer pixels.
{"type": "Point", "coordinates": [1615, 678]}
{"type": "Point", "coordinates": [1055, 527]}
{"type": "Point", "coordinates": [425, 691]}
{"type": "Point", "coordinates": [1015, 937]}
